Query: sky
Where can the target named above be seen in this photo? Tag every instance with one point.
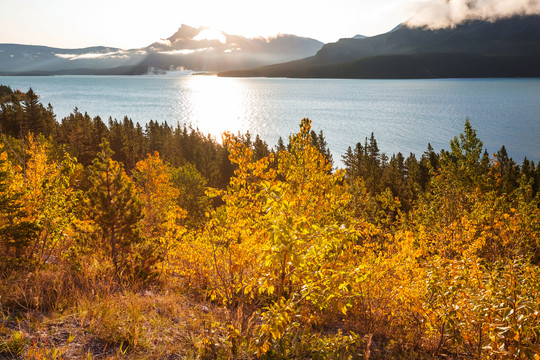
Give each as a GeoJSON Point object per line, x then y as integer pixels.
{"type": "Point", "coordinates": [129, 24]}
{"type": "Point", "coordinates": [137, 23]}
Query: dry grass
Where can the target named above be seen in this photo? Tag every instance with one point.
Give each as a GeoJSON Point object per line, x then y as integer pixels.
{"type": "Point", "coordinates": [53, 315]}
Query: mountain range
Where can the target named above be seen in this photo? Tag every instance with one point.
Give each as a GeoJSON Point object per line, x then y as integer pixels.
{"type": "Point", "coordinates": [507, 47]}
{"type": "Point", "coordinates": [198, 49]}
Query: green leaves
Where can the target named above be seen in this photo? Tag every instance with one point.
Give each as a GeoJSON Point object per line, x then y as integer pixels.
{"type": "Point", "coordinates": [114, 206]}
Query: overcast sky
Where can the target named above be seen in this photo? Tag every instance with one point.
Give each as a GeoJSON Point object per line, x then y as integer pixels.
{"type": "Point", "coordinates": [138, 23]}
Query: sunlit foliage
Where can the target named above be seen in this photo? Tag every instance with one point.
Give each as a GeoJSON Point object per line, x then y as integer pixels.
{"type": "Point", "coordinates": [284, 257]}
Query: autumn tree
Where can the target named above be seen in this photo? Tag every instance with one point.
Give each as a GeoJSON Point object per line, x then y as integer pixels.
{"type": "Point", "coordinates": [17, 231]}
{"type": "Point", "coordinates": [49, 197]}
{"type": "Point", "coordinates": [160, 225]}
{"type": "Point", "coordinates": [280, 241]}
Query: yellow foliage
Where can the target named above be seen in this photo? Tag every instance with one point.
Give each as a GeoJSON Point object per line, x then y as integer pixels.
{"type": "Point", "coordinates": [161, 223]}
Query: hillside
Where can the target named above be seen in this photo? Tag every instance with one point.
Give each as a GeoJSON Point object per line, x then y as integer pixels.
{"type": "Point", "coordinates": [504, 48]}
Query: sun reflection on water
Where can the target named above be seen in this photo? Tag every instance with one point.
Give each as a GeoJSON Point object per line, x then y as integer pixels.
{"type": "Point", "coordinates": [217, 104]}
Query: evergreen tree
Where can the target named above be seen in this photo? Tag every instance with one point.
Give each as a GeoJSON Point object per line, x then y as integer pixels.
{"type": "Point", "coordinates": [354, 161]}
{"type": "Point", "coordinates": [431, 158]}
{"type": "Point", "coordinates": [260, 148]}
{"type": "Point", "coordinates": [319, 142]}
{"type": "Point", "coordinates": [24, 114]}
{"type": "Point", "coordinates": [373, 150]}
{"type": "Point", "coordinates": [11, 118]}
{"type": "Point", "coordinates": [465, 160]}
{"type": "Point", "coordinates": [113, 206]}
{"type": "Point", "coordinates": [192, 186]}
{"type": "Point", "coordinates": [37, 118]}
{"type": "Point", "coordinates": [507, 170]}
{"type": "Point", "coordinates": [5, 93]}
{"type": "Point", "coordinates": [127, 142]}
{"type": "Point", "coordinates": [81, 136]}
{"type": "Point", "coordinates": [280, 145]}
{"type": "Point", "coordinates": [394, 176]}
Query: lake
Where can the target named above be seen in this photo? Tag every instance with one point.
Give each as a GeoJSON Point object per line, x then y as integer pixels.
{"type": "Point", "coordinates": [404, 115]}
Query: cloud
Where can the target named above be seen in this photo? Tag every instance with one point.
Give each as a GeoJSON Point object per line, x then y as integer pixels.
{"type": "Point", "coordinates": [184, 51]}
{"type": "Point", "coordinates": [114, 54]}
{"type": "Point", "coordinates": [165, 42]}
{"type": "Point", "coordinates": [446, 13]}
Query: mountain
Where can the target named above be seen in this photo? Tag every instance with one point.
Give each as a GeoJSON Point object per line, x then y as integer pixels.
{"type": "Point", "coordinates": [16, 58]}
{"type": "Point", "coordinates": [503, 48]}
{"type": "Point", "coordinates": [198, 49]}
{"type": "Point", "coordinates": [204, 49]}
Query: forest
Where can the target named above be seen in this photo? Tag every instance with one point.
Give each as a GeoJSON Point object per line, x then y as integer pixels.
{"type": "Point", "coordinates": [124, 241]}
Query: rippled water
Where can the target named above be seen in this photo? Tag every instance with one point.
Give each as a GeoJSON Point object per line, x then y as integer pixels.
{"type": "Point", "coordinates": [404, 114]}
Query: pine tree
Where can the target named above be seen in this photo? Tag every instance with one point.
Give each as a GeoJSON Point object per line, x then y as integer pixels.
{"type": "Point", "coordinates": [113, 206]}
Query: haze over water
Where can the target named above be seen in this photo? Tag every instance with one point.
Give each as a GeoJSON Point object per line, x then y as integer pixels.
{"type": "Point", "coordinates": [404, 115]}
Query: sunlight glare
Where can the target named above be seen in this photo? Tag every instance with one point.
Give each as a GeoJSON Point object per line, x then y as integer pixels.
{"type": "Point", "coordinates": [217, 104]}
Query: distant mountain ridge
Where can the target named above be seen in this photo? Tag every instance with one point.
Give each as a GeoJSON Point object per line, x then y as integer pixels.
{"type": "Point", "coordinates": [503, 48]}
{"type": "Point", "coordinates": [185, 49]}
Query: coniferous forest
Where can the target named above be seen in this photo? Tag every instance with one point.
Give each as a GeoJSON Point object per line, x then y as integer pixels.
{"type": "Point", "coordinates": [122, 241]}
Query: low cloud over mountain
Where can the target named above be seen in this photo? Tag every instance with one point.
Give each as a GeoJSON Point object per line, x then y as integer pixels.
{"type": "Point", "coordinates": [437, 14]}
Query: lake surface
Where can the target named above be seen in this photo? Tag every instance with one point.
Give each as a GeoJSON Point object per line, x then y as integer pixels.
{"type": "Point", "coordinates": [404, 115]}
